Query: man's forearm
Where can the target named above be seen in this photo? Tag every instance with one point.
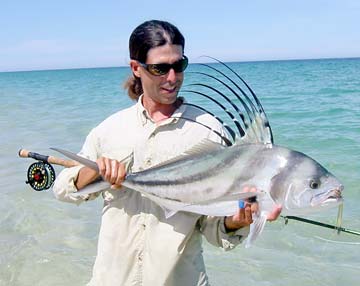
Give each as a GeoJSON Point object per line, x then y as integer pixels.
{"type": "Point", "coordinates": [85, 177]}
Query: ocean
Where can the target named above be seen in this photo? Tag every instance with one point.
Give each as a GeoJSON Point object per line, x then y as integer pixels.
{"type": "Point", "coordinates": [313, 107]}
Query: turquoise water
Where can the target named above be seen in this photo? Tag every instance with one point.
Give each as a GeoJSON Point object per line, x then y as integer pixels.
{"type": "Point", "coordinates": [313, 107]}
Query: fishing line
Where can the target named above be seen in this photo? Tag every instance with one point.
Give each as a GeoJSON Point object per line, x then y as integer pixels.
{"type": "Point", "coordinates": [336, 241]}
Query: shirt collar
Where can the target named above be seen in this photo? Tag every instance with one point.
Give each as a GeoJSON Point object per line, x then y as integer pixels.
{"type": "Point", "coordinates": [143, 115]}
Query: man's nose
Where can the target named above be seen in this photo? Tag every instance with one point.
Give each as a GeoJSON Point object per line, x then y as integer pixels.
{"type": "Point", "coordinates": [171, 77]}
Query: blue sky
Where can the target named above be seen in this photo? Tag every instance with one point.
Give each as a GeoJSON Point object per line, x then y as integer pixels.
{"type": "Point", "coordinates": [41, 34]}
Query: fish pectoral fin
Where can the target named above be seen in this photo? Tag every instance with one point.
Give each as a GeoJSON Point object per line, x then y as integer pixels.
{"type": "Point", "coordinates": [169, 213]}
{"type": "Point", "coordinates": [256, 229]}
{"type": "Point", "coordinates": [95, 187]}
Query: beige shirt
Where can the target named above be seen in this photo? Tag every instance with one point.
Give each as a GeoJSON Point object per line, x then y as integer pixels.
{"type": "Point", "coordinates": [137, 244]}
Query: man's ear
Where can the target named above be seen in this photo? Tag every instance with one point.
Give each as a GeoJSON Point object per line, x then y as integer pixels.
{"type": "Point", "coordinates": [135, 67]}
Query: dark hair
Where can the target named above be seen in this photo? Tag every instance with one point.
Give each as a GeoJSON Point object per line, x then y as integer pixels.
{"type": "Point", "coordinates": [146, 36]}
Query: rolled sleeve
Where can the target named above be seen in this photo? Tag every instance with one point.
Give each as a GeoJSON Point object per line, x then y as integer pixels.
{"type": "Point", "coordinates": [64, 187]}
{"type": "Point", "coordinates": [213, 229]}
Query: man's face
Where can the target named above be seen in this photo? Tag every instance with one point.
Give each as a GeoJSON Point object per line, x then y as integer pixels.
{"type": "Point", "coordinates": [161, 89]}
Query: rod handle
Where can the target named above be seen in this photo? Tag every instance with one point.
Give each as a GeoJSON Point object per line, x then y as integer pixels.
{"type": "Point", "coordinates": [23, 153]}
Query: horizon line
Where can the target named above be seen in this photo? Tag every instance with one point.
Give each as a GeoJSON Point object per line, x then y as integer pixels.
{"type": "Point", "coordinates": [230, 61]}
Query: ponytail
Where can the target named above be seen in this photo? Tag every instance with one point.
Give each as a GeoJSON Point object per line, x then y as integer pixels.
{"type": "Point", "coordinates": [134, 87]}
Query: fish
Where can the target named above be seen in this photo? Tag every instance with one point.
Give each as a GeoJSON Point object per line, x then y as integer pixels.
{"type": "Point", "coordinates": [210, 178]}
{"type": "Point", "coordinates": [199, 190]}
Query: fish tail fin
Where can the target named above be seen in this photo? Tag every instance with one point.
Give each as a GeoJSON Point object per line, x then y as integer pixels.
{"type": "Point", "coordinates": [256, 229]}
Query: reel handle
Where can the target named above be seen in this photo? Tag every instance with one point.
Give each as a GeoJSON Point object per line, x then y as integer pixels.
{"type": "Point", "coordinates": [23, 153]}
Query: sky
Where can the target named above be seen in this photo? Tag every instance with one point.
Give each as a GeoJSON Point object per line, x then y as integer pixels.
{"type": "Point", "coordinates": [60, 34]}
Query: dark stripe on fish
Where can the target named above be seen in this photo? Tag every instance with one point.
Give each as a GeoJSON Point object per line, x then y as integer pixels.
{"type": "Point", "coordinates": [295, 159]}
{"type": "Point", "coordinates": [228, 161]}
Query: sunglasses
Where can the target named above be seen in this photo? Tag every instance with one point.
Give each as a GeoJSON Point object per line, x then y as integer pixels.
{"type": "Point", "coordinates": [162, 69]}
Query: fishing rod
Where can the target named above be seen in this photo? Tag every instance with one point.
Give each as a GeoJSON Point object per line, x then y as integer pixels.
{"type": "Point", "coordinates": [41, 175]}
{"type": "Point", "coordinates": [338, 228]}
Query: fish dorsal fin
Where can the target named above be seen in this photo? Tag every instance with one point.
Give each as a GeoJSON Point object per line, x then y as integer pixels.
{"type": "Point", "coordinates": [241, 102]}
{"type": "Point", "coordinates": [257, 131]}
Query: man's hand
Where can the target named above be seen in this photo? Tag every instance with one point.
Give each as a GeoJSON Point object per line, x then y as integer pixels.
{"type": "Point", "coordinates": [274, 213]}
{"type": "Point", "coordinates": [242, 218]}
{"type": "Point", "coordinates": [244, 215]}
{"type": "Point", "coordinates": [111, 171]}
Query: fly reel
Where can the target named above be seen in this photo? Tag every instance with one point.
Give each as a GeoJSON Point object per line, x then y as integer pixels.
{"type": "Point", "coordinates": [40, 175]}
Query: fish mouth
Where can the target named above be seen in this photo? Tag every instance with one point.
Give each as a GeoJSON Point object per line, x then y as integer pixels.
{"type": "Point", "coordinates": [328, 197]}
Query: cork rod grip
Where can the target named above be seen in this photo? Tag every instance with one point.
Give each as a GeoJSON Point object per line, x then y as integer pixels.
{"type": "Point", "coordinates": [23, 153]}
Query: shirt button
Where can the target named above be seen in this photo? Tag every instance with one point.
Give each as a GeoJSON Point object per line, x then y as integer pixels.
{"type": "Point", "coordinates": [140, 256]}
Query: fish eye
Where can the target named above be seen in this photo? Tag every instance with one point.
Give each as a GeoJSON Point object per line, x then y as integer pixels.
{"type": "Point", "coordinates": [314, 184]}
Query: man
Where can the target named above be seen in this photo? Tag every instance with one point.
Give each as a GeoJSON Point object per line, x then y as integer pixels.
{"type": "Point", "coordinates": [137, 244]}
